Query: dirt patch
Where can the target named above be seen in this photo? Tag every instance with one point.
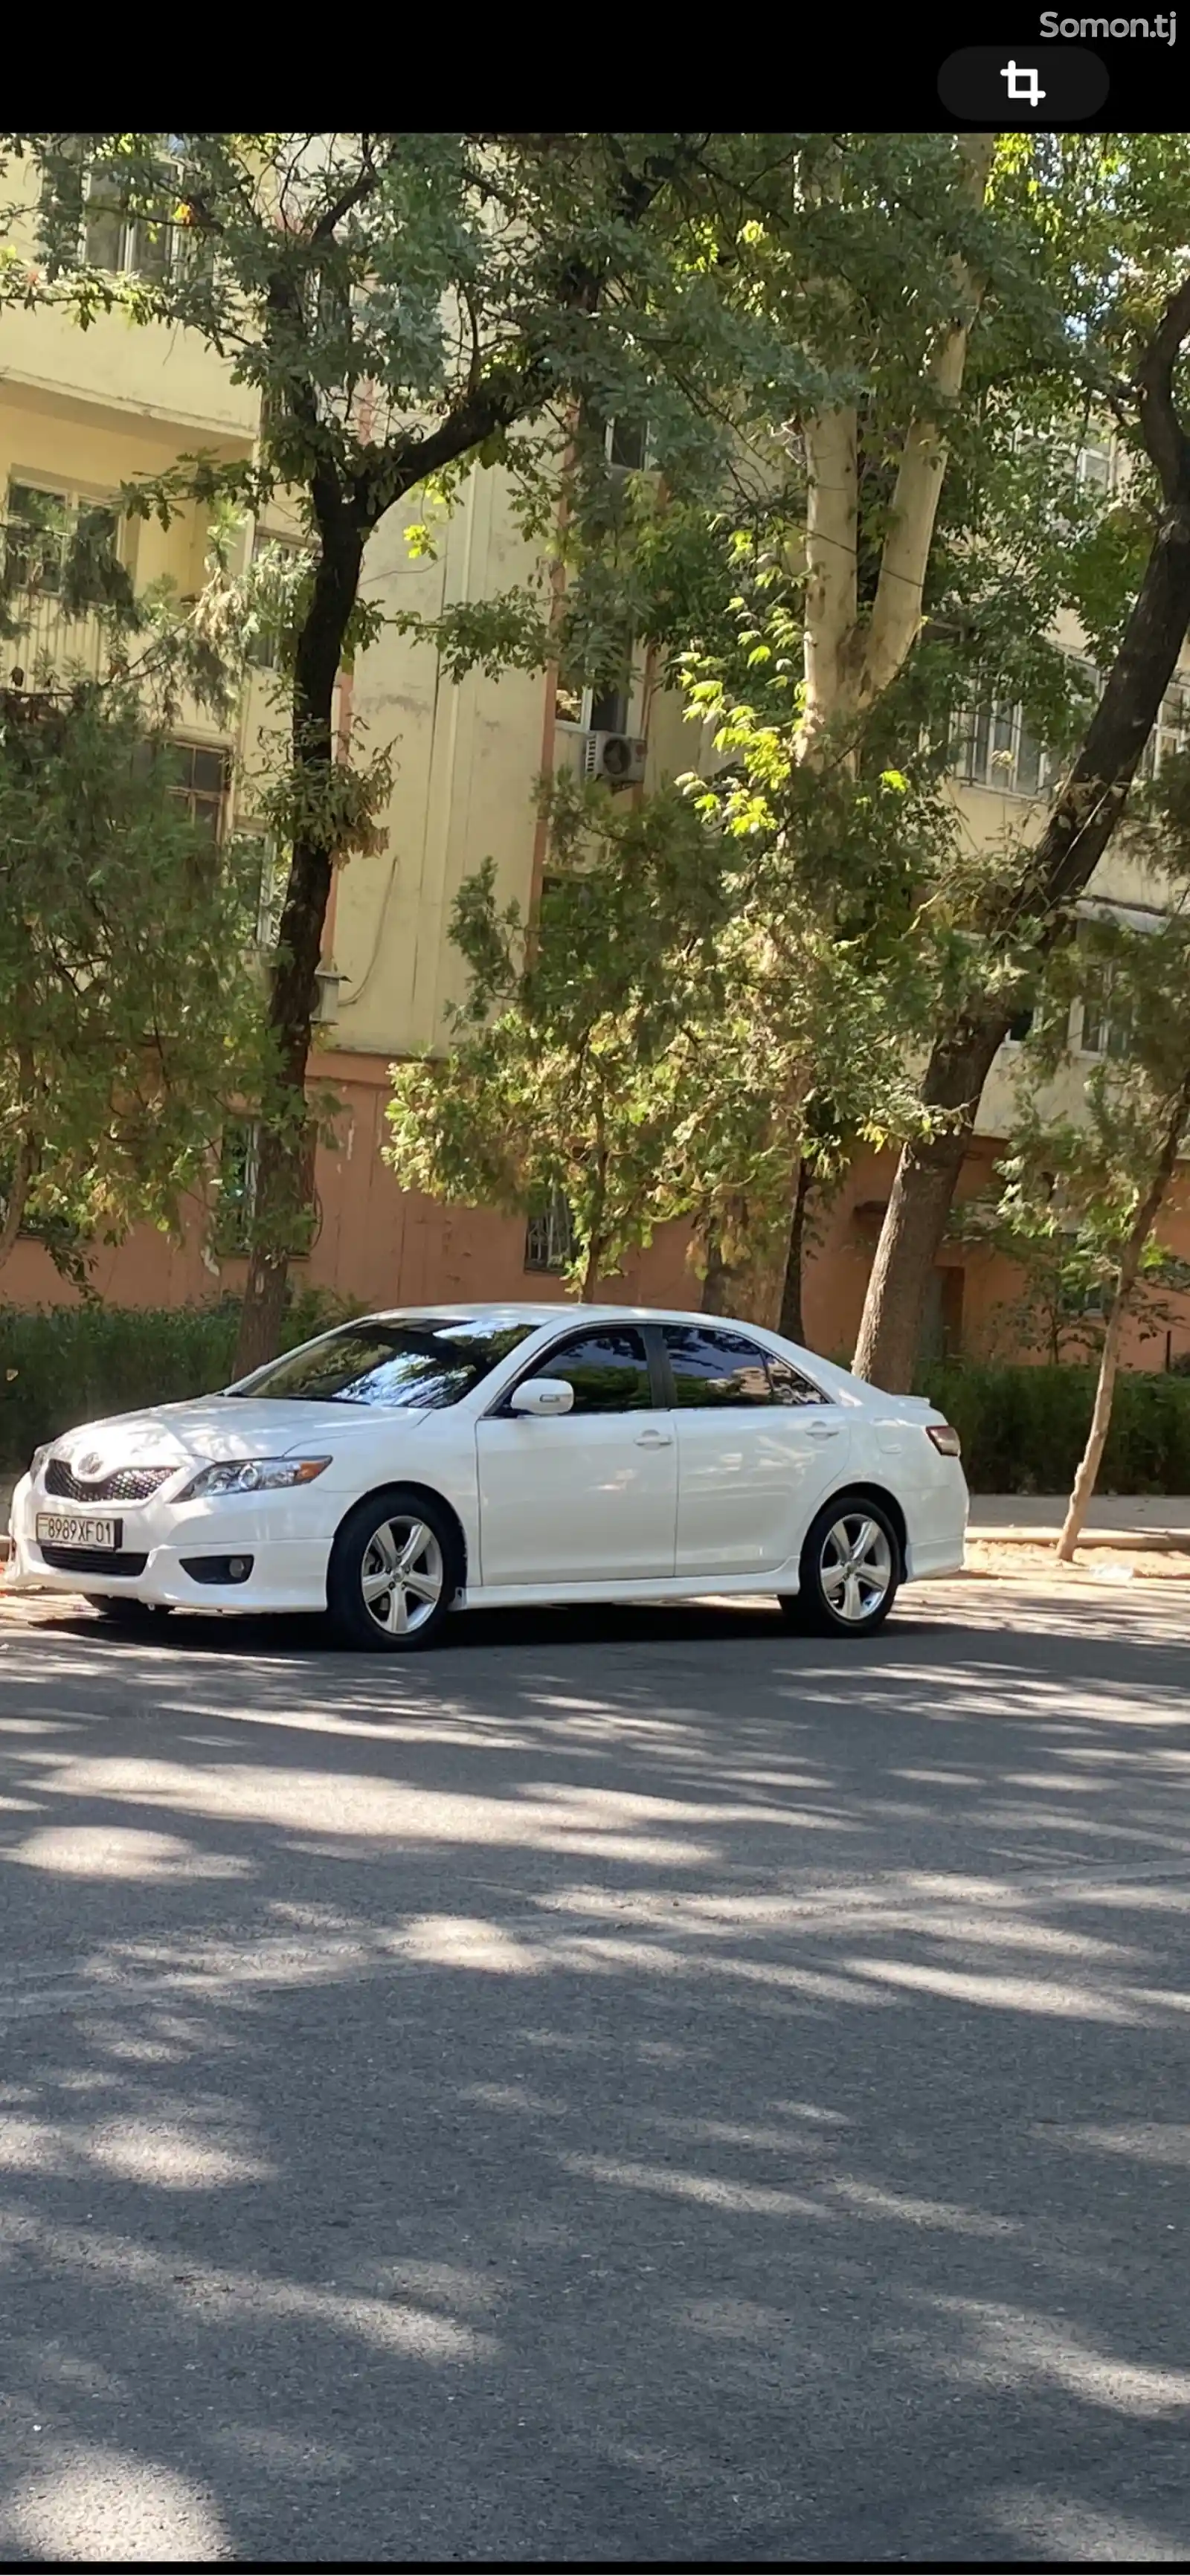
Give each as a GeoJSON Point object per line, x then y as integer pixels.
{"type": "Point", "coordinates": [1012, 1561]}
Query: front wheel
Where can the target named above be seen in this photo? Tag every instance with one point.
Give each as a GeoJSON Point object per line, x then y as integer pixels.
{"type": "Point", "coordinates": [850, 1570]}
{"type": "Point", "coordinates": [393, 1573]}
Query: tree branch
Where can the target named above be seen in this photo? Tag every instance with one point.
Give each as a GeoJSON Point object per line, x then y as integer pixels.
{"type": "Point", "coordinates": [1161, 427]}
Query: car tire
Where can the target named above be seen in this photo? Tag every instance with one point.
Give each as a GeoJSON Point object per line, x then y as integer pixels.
{"type": "Point", "coordinates": [395, 1568]}
{"type": "Point", "coordinates": [850, 1570]}
{"type": "Point", "coordinates": [122, 1611]}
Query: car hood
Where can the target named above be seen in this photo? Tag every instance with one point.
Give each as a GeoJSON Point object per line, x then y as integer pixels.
{"type": "Point", "coordinates": [215, 1427]}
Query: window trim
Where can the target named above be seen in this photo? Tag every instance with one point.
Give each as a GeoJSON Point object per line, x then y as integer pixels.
{"type": "Point", "coordinates": [655, 1355]}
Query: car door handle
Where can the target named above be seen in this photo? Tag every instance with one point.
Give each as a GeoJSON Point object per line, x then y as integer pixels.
{"type": "Point", "coordinates": [823, 1430]}
{"type": "Point", "coordinates": [654, 1440]}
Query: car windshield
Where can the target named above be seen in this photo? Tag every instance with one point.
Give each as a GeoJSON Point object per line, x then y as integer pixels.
{"type": "Point", "coordinates": [429, 1363]}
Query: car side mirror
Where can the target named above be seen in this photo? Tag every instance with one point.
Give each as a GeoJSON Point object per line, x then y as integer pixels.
{"type": "Point", "coordinates": [542, 1397]}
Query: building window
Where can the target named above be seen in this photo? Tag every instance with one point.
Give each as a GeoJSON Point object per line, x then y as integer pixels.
{"type": "Point", "coordinates": [201, 783]}
{"type": "Point", "coordinates": [1097, 465]}
{"type": "Point", "coordinates": [600, 708]}
{"type": "Point", "coordinates": [993, 747]}
{"type": "Point", "coordinates": [1105, 1025]}
{"type": "Point", "coordinates": [628, 445]}
{"type": "Point", "coordinates": [1171, 733]}
{"type": "Point", "coordinates": [44, 520]}
{"type": "Point", "coordinates": [550, 1235]}
{"type": "Point", "coordinates": [148, 244]}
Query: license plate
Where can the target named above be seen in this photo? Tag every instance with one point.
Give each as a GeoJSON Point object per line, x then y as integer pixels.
{"type": "Point", "coordinates": [76, 1529]}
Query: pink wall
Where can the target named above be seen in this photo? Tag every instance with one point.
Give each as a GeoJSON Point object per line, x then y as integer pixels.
{"type": "Point", "coordinates": [382, 1246]}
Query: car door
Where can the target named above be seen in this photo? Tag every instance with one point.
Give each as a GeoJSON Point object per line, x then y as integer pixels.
{"type": "Point", "coordinates": [590, 1496]}
{"type": "Point", "coordinates": [758, 1447]}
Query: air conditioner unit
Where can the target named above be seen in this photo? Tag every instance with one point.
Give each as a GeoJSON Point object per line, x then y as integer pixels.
{"type": "Point", "coordinates": [326, 1005]}
{"type": "Point", "coordinates": [617, 758]}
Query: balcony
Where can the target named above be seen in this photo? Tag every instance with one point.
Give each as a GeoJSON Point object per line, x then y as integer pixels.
{"type": "Point", "coordinates": [152, 376]}
{"type": "Point", "coordinates": [51, 645]}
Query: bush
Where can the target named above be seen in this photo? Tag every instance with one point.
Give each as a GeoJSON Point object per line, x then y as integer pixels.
{"type": "Point", "coordinates": [1025, 1429]}
{"type": "Point", "coordinates": [65, 1364]}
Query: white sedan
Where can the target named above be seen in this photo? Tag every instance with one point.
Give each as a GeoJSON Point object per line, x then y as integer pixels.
{"type": "Point", "coordinates": [445, 1458]}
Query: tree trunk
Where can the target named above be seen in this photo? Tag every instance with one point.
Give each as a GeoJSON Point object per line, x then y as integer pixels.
{"type": "Point", "coordinates": [1109, 1364]}
{"type": "Point", "coordinates": [1053, 874]}
{"type": "Point", "coordinates": [922, 1193]}
{"type": "Point", "coordinates": [791, 1320]}
{"type": "Point", "coordinates": [718, 1285]}
{"type": "Point", "coordinates": [283, 1170]}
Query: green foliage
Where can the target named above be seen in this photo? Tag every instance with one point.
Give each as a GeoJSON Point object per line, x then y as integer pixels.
{"type": "Point", "coordinates": [660, 1041]}
{"type": "Point", "coordinates": [129, 1010]}
{"type": "Point", "coordinates": [61, 1365]}
{"type": "Point", "coordinates": [1071, 1186]}
{"type": "Point", "coordinates": [1024, 1430]}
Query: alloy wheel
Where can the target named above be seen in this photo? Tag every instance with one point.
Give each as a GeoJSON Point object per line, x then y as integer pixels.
{"type": "Point", "coordinates": [402, 1575]}
{"type": "Point", "coordinates": [855, 1567]}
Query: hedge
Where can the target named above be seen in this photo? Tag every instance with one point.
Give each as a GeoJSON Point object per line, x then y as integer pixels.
{"type": "Point", "coordinates": [1024, 1429]}
{"type": "Point", "coordinates": [65, 1364]}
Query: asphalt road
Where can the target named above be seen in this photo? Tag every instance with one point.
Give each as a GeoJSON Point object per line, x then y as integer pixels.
{"type": "Point", "coordinates": [651, 2089]}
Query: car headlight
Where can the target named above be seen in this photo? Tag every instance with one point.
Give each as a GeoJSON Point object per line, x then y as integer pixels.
{"type": "Point", "coordinates": [252, 1476]}
{"type": "Point", "coordinates": [38, 1459]}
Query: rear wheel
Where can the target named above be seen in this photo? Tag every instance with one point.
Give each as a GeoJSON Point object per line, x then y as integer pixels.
{"type": "Point", "coordinates": [393, 1574]}
{"type": "Point", "coordinates": [850, 1570]}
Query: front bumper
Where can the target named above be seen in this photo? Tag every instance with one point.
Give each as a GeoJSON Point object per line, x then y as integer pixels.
{"type": "Point", "coordinates": [289, 1563]}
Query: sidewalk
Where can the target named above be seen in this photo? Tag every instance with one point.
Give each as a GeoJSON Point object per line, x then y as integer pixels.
{"type": "Point", "coordinates": [1161, 1521]}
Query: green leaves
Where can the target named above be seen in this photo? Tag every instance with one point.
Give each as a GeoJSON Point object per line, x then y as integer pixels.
{"type": "Point", "coordinates": [129, 1013]}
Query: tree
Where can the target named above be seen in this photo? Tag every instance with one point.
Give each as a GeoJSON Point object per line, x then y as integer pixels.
{"type": "Point", "coordinates": [406, 306]}
{"type": "Point", "coordinates": [1106, 1178]}
{"type": "Point", "coordinates": [929, 534]}
{"type": "Point", "coordinates": [1136, 359]}
{"type": "Point", "coordinates": [641, 1047]}
{"type": "Point", "coordinates": [130, 1020]}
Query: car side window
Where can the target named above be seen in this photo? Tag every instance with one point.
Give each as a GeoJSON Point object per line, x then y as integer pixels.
{"type": "Point", "coordinates": [609, 1371]}
{"type": "Point", "coordinates": [790, 1387]}
{"type": "Point", "coordinates": [719, 1368]}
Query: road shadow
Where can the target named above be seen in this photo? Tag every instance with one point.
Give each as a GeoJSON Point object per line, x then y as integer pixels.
{"type": "Point", "coordinates": [636, 2086]}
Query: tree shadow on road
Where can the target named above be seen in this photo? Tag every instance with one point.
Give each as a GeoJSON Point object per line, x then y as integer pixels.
{"type": "Point", "coordinates": [637, 2088]}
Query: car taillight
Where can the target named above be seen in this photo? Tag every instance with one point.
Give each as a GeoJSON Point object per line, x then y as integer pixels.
{"type": "Point", "coordinates": [945, 1439]}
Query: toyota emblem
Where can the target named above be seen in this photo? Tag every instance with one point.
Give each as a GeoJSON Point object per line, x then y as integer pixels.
{"type": "Point", "coordinates": [91, 1464]}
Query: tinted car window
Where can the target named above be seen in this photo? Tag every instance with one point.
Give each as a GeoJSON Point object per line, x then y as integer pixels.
{"type": "Point", "coordinates": [427, 1363]}
{"type": "Point", "coordinates": [721, 1368]}
{"type": "Point", "coordinates": [790, 1387]}
{"type": "Point", "coordinates": [609, 1371]}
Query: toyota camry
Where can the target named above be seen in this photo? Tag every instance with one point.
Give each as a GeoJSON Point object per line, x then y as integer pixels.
{"type": "Point", "coordinates": [408, 1465]}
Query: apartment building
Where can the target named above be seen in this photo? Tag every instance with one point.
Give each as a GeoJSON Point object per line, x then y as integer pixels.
{"type": "Point", "coordinates": [82, 412]}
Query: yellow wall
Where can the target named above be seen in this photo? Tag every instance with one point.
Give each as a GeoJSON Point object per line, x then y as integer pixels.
{"type": "Point", "coordinates": [464, 764]}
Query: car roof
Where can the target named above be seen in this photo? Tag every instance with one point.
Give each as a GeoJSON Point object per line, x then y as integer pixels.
{"type": "Point", "coordinates": [557, 1311]}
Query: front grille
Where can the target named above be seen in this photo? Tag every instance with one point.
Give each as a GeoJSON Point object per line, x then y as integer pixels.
{"type": "Point", "coordinates": [128, 1485]}
{"type": "Point", "coordinates": [96, 1560]}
